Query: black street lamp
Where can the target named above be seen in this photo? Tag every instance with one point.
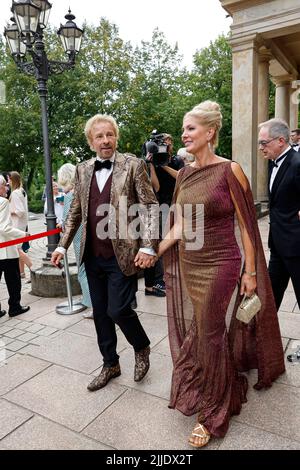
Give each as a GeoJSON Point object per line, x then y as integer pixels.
{"type": "Point", "coordinates": [25, 36]}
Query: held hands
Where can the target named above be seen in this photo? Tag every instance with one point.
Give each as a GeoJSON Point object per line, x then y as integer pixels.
{"type": "Point", "coordinates": [142, 260]}
{"type": "Point", "coordinates": [248, 285]}
{"type": "Point", "coordinates": [56, 258]}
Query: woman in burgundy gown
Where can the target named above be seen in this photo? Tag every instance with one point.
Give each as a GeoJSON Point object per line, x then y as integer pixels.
{"type": "Point", "coordinates": [210, 347]}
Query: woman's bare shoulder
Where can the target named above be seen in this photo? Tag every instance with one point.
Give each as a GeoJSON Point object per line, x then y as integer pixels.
{"type": "Point", "coordinates": [239, 174]}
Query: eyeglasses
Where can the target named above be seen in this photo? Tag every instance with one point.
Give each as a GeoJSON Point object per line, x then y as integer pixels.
{"type": "Point", "coordinates": [263, 143]}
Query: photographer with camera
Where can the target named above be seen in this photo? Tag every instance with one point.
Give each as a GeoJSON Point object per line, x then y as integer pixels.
{"type": "Point", "coordinates": [163, 166]}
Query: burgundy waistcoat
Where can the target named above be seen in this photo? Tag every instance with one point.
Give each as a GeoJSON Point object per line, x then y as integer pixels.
{"type": "Point", "coordinates": [94, 245]}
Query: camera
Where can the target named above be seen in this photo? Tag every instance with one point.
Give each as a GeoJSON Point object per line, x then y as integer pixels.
{"type": "Point", "coordinates": [158, 148]}
{"type": "Point", "coordinates": [60, 198]}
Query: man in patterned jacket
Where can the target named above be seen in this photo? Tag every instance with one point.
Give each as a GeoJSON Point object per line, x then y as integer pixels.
{"type": "Point", "coordinates": [106, 189]}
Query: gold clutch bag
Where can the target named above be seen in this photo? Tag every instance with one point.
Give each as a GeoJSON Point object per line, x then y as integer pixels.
{"type": "Point", "coordinates": [248, 308]}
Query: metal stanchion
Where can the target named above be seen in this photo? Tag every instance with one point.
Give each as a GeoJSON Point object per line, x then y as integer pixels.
{"type": "Point", "coordinates": [70, 307]}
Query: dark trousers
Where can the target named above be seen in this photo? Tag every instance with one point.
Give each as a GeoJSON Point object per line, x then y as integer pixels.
{"type": "Point", "coordinates": [154, 275]}
{"type": "Point", "coordinates": [281, 270]}
{"type": "Point", "coordinates": [11, 270]}
{"type": "Point", "coordinates": [111, 294]}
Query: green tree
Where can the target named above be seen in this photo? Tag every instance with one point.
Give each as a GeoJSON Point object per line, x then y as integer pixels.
{"type": "Point", "coordinates": [211, 78]}
{"type": "Point", "coordinates": [144, 88]}
{"type": "Point", "coordinates": [20, 136]}
{"type": "Point", "coordinates": [96, 85]}
{"type": "Point", "coordinates": [153, 95]}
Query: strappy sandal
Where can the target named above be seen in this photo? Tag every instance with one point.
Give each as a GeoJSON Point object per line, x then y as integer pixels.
{"type": "Point", "coordinates": [204, 436]}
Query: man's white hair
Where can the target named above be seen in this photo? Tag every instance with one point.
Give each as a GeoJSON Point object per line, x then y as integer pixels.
{"type": "Point", "coordinates": [2, 180]}
{"type": "Point", "coordinates": [276, 127]}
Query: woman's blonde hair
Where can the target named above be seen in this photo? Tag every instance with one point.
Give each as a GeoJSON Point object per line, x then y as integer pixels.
{"type": "Point", "coordinates": [94, 120]}
{"type": "Point", "coordinates": [16, 181]}
{"type": "Point", "coordinates": [66, 175]}
{"type": "Point", "coordinates": [208, 113]}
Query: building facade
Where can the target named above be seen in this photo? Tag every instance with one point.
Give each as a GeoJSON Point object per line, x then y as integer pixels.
{"type": "Point", "coordinates": [265, 40]}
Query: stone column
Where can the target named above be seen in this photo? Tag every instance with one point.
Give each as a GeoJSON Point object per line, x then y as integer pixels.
{"type": "Point", "coordinates": [282, 97]}
{"type": "Point", "coordinates": [294, 105]}
{"type": "Point", "coordinates": [244, 107]}
{"type": "Point", "coordinates": [263, 115]}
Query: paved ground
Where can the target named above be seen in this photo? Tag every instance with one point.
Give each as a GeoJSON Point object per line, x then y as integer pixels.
{"type": "Point", "coordinates": [47, 360]}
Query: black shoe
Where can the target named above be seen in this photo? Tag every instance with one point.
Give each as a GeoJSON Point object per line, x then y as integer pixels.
{"type": "Point", "coordinates": [161, 285]}
{"type": "Point", "coordinates": [19, 312]}
{"type": "Point", "coordinates": [156, 292]}
{"type": "Point", "coordinates": [133, 304]}
{"type": "Point", "coordinates": [295, 357]}
{"type": "Point", "coordinates": [2, 313]}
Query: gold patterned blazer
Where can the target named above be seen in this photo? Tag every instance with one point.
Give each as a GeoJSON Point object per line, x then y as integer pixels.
{"type": "Point", "coordinates": [130, 185]}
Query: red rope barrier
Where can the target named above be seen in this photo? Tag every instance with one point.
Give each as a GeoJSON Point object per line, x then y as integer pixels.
{"type": "Point", "coordinates": [30, 237]}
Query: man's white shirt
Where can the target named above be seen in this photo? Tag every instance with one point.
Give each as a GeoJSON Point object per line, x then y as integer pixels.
{"type": "Point", "coordinates": [103, 175]}
{"type": "Point", "coordinates": [276, 168]}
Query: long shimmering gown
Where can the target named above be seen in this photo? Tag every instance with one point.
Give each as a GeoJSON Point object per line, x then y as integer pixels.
{"type": "Point", "coordinates": [209, 346]}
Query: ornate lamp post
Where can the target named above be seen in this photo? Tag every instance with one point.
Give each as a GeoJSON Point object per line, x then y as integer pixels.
{"type": "Point", "coordinates": [25, 37]}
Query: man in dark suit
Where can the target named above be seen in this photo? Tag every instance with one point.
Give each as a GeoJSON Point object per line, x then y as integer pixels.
{"type": "Point", "coordinates": [295, 139]}
{"type": "Point", "coordinates": [106, 190]}
{"type": "Point", "coordinates": [284, 205]}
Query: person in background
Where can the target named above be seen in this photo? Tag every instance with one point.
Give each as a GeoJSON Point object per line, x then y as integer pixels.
{"type": "Point", "coordinates": [44, 195]}
{"type": "Point", "coordinates": [187, 157]}
{"type": "Point", "coordinates": [9, 256]}
{"type": "Point", "coordinates": [5, 174]}
{"type": "Point", "coordinates": [284, 206]}
{"type": "Point", "coordinates": [295, 139]}
{"type": "Point", "coordinates": [66, 180]}
{"type": "Point", "coordinates": [58, 204]}
{"type": "Point", "coordinates": [163, 179]}
{"type": "Point", "coordinates": [19, 214]}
